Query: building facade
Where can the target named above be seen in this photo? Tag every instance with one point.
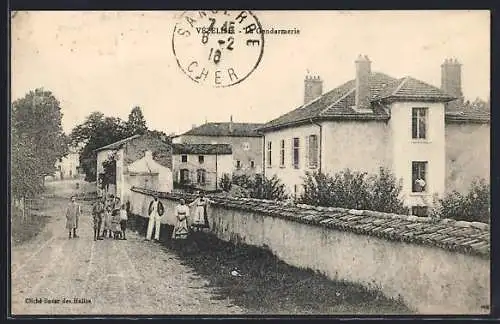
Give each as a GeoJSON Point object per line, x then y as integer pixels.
{"type": "Point", "coordinates": [245, 141]}
{"type": "Point", "coordinates": [376, 121]}
{"type": "Point", "coordinates": [68, 167]}
{"type": "Point", "coordinates": [129, 150]}
{"type": "Point", "coordinates": [201, 166]}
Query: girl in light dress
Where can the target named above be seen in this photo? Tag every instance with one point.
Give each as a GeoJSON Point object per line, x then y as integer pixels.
{"type": "Point", "coordinates": [200, 219]}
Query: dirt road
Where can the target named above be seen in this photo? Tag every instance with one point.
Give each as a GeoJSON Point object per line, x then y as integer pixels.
{"type": "Point", "coordinates": [52, 274]}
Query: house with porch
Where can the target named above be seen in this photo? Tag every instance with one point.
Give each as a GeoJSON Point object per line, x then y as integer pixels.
{"type": "Point", "coordinates": [424, 134]}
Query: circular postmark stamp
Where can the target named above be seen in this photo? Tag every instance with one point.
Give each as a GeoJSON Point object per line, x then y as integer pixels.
{"type": "Point", "coordinates": [218, 48]}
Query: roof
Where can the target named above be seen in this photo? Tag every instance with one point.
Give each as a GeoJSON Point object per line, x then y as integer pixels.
{"type": "Point", "coordinates": [338, 103]}
{"type": "Point", "coordinates": [117, 145]}
{"type": "Point", "coordinates": [204, 149]}
{"type": "Point", "coordinates": [222, 129]}
{"type": "Point", "coordinates": [468, 113]}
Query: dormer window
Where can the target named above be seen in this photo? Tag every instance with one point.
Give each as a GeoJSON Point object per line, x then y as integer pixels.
{"type": "Point", "coordinates": [419, 123]}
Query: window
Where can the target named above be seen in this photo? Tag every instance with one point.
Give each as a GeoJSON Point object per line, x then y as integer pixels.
{"type": "Point", "coordinates": [184, 176]}
{"type": "Point", "coordinates": [420, 211]}
{"type": "Point", "coordinates": [252, 164]}
{"type": "Point", "coordinates": [313, 151]}
{"type": "Point", "coordinates": [246, 146]}
{"type": "Point", "coordinates": [201, 159]}
{"type": "Point", "coordinates": [295, 150]}
{"type": "Point", "coordinates": [269, 151]}
{"type": "Point", "coordinates": [201, 176]}
{"type": "Point", "coordinates": [60, 160]}
{"type": "Point", "coordinates": [282, 153]}
{"type": "Point", "coordinates": [419, 176]}
{"type": "Point", "coordinates": [184, 158]}
{"type": "Point", "coordinates": [238, 164]}
{"type": "Point", "coordinates": [419, 123]}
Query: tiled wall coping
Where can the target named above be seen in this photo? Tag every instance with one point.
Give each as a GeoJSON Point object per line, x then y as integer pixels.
{"type": "Point", "coordinates": [465, 237]}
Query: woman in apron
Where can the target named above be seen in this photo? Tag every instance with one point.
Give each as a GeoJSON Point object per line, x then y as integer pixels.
{"type": "Point", "coordinates": [181, 227]}
{"type": "Point", "coordinates": [200, 219]}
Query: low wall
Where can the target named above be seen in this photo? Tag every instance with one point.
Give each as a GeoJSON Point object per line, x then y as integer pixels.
{"type": "Point", "coordinates": [435, 266]}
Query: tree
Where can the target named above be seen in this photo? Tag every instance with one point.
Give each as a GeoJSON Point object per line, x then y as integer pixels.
{"type": "Point", "coordinates": [136, 124]}
{"type": "Point", "coordinates": [36, 118]}
{"type": "Point", "coordinates": [96, 131]}
{"type": "Point", "coordinates": [109, 175]}
{"type": "Point", "coordinates": [24, 167]}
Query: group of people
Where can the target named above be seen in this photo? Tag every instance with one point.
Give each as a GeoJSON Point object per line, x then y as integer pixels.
{"type": "Point", "coordinates": [110, 215]}
{"type": "Point", "coordinates": [184, 223]}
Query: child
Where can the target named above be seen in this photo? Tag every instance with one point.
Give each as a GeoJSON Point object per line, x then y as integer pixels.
{"type": "Point", "coordinates": [123, 220]}
{"type": "Point", "coordinates": [115, 224]}
{"type": "Point", "coordinates": [107, 223]}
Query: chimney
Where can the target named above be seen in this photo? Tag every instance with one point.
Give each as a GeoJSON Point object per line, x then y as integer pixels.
{"type": "Point", "coordinates": [313, 88]}
{"type": "Point", "coordinates": [363, 71]}
{"type": "Point", "coordinates": [231, 124]}
{"type": "Point", "coordinates": [193, 126]}
{"type": "Point", "coordinates": [451, 82]}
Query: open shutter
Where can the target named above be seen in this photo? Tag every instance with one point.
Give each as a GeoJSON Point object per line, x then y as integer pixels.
{"type": "Point", "coordinates": [306, 152]}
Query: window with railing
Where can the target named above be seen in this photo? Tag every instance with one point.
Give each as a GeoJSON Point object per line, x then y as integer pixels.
{"type": "Point", "coordinates": [419, 176]}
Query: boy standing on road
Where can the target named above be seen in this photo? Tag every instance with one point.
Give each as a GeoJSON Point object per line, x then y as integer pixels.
{"type": "Point", "coordinates": [73, 213]}
{"type": "Point", "coordinates": [123, 221]}
{"type": "Point", "coordinates": [97, 215]}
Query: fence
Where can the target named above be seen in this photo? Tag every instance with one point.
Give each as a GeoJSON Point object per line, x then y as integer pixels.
{"type": "Point", "coordinates": [25, 208]}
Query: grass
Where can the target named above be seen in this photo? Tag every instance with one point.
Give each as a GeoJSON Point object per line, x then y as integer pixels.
{"type": "Point", "coordinates": [27, 230]}
{"type": "Point", "coordinates": [269, 285]}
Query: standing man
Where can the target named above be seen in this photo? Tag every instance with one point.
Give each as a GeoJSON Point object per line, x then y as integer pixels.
{"type": "Point", "coordinates": [73, 213]}
{"type": "Point", "coordinates": [155, 212]}
{"type": "Point", "coordinates": [97, 215]}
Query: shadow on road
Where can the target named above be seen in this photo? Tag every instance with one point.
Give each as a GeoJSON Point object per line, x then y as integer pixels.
{"type": "Point", "coordinates": [268, 285]}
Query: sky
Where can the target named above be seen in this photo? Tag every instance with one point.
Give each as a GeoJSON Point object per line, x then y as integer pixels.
{"type": "Point", "coordinates": [112, 61]}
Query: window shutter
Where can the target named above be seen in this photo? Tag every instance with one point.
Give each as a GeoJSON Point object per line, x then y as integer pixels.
{"type": "Point", "coordinates": [306, 152]}
{"type": "Point", "coordinates": [292, 159]}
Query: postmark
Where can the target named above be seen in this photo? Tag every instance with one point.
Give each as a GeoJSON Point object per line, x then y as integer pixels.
{"type": "Point", "coordinates": [218, 48]}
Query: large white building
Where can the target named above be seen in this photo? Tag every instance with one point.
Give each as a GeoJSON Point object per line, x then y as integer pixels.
{"type": "Point", "coordinates": [425, 135]}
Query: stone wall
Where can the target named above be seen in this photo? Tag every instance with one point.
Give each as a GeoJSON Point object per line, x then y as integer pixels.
{"type": "Point", "coordinates": [435, 266]}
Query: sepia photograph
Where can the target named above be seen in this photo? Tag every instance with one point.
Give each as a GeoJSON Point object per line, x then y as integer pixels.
{"type": "Point", "coordinates": [237, 162]}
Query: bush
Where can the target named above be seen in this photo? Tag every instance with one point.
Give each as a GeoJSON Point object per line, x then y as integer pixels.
{"type": "Point", "coordinates": [474, 206]}
{"type": "Point", "coordinates": [354, 190]}
{"type": "Point", "coordinates": [243, 180]}
{"type": "Point", "coordinates": [259, 187]}
{"type": "Point", "coordinates": [226, 182]}
{"type": "Point", "coordinates": [264, 188]}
